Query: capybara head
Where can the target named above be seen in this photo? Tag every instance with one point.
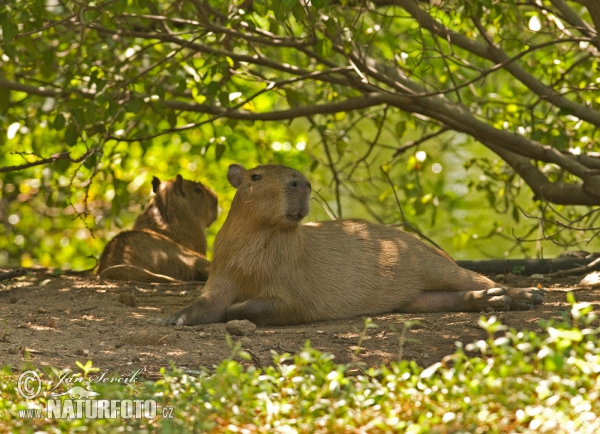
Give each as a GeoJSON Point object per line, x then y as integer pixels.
{"type": "Point", "coordinates": [182, 199]}
{"type": "Point", "coordinates": [270, 194]}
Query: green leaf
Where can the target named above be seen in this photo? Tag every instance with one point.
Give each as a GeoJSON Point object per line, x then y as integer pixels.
{"type": "Point", "coordinates": [71, 135]}
{"type": "Point", "coordinates": [289, 4]}
{"type": "Point", "coordinates": [324, 48]}
{"type": "Point", "coordinates": [400, 128]}
{"type": "Point", "coordinates": [91, 161]}
{"type": "Point", "coordinates": [134, 106]}
{"type": "Point", "coordinates": [280, 10]}
{"type": "Point", "coordinates": [172, 118]}
{"type": "Point", "coordinates": [4, 100]}
{"type": "Point", "coordinates": [299, 13]}
{"type": "Point", "coordinates": [9, 30]}
{"type": "Point", "coordinates": [61, 166]}
{"type": "Point", "coordinates": [219, 150]}
{"type": "Point", "coordinates": [120, 6]}
{"type": "Point", "coordinates": [516, 214]}
{"type": "Point", "coordinates": [79, 116]}
{"type": "Point", "coordinates": [59, 122]}
{"type": "Point", "coordinates": [295, 98]}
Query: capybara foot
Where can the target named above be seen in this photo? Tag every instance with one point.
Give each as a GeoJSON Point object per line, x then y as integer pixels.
{"type": "Point", "coordinates": [177, 319]}
{"type": "Point", "coordinates": [189, 316]}
{"type": "Point", "coordinates": [495, 298]}
{"type": "Point", "coordinates": [525, 298]}
{"type": "Point", "coordinates": [458, 301]}
{"type": "Point", "coordinates": [202, 311]}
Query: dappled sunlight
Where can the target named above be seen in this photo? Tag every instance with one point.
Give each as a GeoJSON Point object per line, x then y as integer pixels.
{"type": "Point", "coordinates": [156, 309]}
{"type": "Point", "coordinates": [389, 252]}
{"type": "Point", "coordinates": [39, 327]}
{"type": "Point", "coordinates": [356, 228]}
{"type": "Point", "coordinates": [87, 318]}
{"type": "Point", "coordinates": [177, 353]}
{"type": "Point", "coordinates": [188, 260]}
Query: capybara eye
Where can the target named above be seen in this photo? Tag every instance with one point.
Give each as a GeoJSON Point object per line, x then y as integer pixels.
{"type": "Point", "coordinates": [256, 177]}
{"type": "Point", "coordinates": [197, 189]}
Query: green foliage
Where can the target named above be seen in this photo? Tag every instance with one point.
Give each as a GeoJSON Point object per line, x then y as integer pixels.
{"type": "Point", "coordinates": [519, 381]}
{"type": "Point", "coordinates": [95, 99]}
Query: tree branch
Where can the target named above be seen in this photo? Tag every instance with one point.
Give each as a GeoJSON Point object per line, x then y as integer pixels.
{"type": "Point", "coordinates": [495, 54]}
{"type": "Point", "coordinates": [556, 192]}
{"type": "Point", "coordinates": [570, 16]}
{"type": "Point", "coordinates": [51, 159]}
{"type": "Point", "coordinates": [593, 7]}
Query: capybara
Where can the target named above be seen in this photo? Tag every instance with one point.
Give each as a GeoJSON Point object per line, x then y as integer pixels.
{"type": "Point", "coordinates": [168, 240]}
{"type": "Point", "coordinates": [271, 269]}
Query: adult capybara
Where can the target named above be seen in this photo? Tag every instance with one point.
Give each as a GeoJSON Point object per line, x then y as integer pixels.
{"type": "Point", "coordinates": [168, 240]}
{"type": "Point", "coordinates": [271, 269]}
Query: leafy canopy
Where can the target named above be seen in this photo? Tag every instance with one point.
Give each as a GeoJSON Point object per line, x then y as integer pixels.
{"type": "Point", "coordinates": [403, 111]}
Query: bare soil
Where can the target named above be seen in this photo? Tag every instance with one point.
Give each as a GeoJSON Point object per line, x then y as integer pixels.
{"type": "Point", "coordinates": [48, 320]}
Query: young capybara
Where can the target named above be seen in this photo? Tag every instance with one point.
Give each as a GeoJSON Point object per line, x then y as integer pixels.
{"type": "Point", "coordinates": [271, 269]}
{"type": "Point", "coordinates": [168, 240]}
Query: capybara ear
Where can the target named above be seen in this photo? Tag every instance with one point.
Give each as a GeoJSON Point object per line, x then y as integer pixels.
{"type": "Point", "coordinates": [179, 185]}
{"type": "Point", "coordinates": [155, 184]}
{"type": "Point", "coordinates": [235, 175]}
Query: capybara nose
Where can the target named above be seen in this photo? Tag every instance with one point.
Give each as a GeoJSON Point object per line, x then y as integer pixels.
{"type": "Point", "coordinates": [298, 184]}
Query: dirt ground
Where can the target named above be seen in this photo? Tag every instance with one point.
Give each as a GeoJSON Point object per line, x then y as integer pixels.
{"type": "Point", "coordinates": [48, 320]}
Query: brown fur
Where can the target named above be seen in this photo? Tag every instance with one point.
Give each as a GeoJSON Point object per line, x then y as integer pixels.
{"type": "Point", "coordinates": [270, 269]}
{"type": "Point", "coordinates": [168, 240]}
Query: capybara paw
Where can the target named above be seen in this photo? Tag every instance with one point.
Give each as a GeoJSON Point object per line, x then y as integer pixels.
{"type": "Point", "coordinates": [177, 319]}
{"type": "Point", "coordinates": [526, 298]}
{"type": "Point", "coordinates": [488, 299]}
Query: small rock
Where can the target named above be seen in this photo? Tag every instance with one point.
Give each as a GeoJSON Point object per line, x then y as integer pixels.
{"type": "Point", "coordinates": [13, 350]}
{"type": "Point", "coordinates": [42, 310]}
{"type": "Point", "coordinates": [13, 300]}
{"type": "Point", "coordinates": [52, 323]}
{"type": "Point", "coordinates": [591, 280]}
{"type": "Point", "coordinates": [240, 327]}
{"type": "Point", "coordinates": [538, 276]}
{"type": "Point", "coordinates": [127, 299]}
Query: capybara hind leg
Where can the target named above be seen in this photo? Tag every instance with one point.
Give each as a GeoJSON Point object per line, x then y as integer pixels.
{"type": "Point", "coordinates": [260, 310]}
{"type": "Point", "coordinates": [525, 298]}
{"type": "Point", "coordinates": [458, 301]}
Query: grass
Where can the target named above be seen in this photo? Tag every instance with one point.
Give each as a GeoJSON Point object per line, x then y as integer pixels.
{"type": "Point", "coordinates": [519, 382]}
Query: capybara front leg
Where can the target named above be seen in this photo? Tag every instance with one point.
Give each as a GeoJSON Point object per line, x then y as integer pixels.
{"type": "Point", "coordinates": [203, 311]}
{"type": "Point", "coordinates": [458, 301]}
{"type": "Point", "coordinates": [260, 310]}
